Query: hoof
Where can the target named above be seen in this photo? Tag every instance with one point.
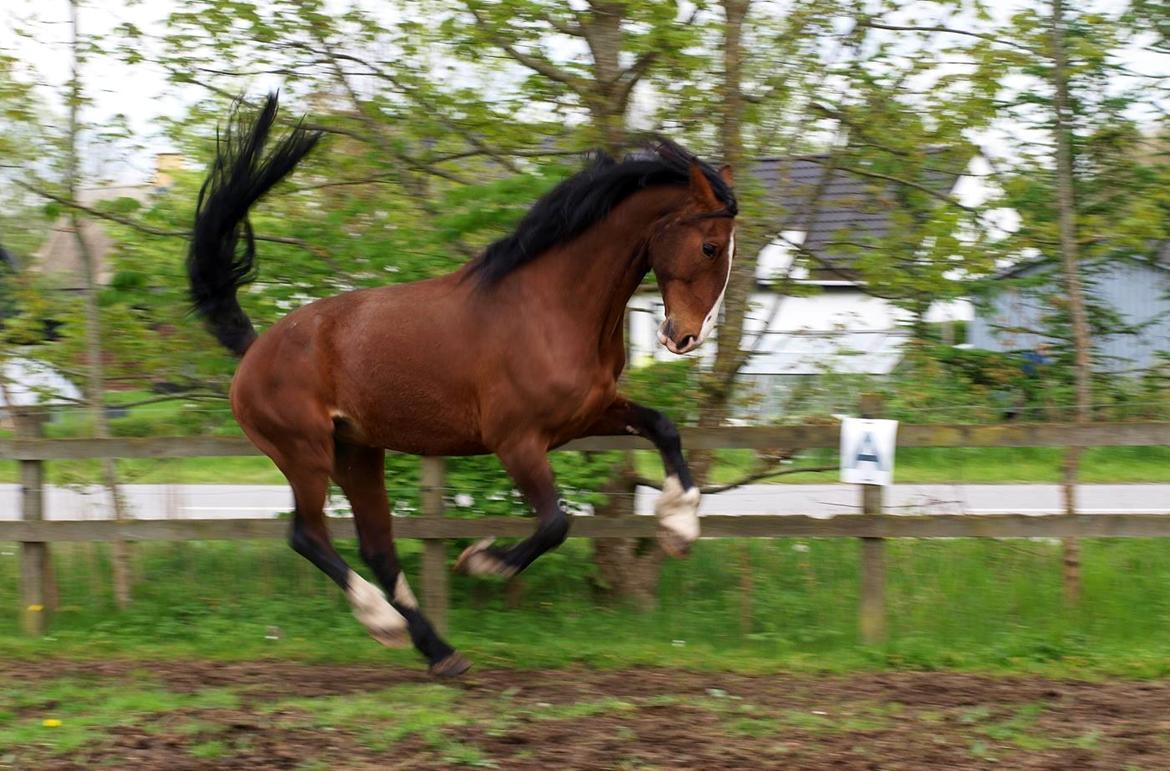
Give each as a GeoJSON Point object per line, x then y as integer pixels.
{"type": "Point", "coordinates": [451, 667]}
{"type": "Point", "coordinates": [479, 560]}
{"type": "Point", "coordinates": [675, 545]}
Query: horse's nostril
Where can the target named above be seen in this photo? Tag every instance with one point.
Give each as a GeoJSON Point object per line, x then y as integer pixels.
{"type": "Point", "coordinates": [685, 342]}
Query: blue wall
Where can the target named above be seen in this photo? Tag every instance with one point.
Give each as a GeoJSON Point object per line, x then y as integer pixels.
{"type": "Point", "coordinates": [1138, 293]}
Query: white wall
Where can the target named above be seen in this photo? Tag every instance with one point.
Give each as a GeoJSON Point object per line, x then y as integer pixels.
{"type": "Point", "coordinates": [840, 329]}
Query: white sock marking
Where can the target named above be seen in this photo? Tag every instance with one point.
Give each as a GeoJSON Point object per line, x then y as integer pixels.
{"type": "Point", "coordinates": [678, 509]}
{"type": "Point", "coordinates": [371, 608]}
{"type": "Point", "coordinates": [402, 594]}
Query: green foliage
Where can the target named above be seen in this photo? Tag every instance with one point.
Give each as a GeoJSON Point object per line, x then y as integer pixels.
{"type": "Point", "coordinates": [669, 386]}
{"type": "Point", "coordinates": [463, 106]}
{"type": "Point", "coordinates": [1120, 204]}
{"type": "Point", "coordinates": [484, 212]}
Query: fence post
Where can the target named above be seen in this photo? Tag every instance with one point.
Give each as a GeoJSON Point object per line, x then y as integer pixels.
{"type": "Point", "coordinates": [873, 552]}
{"type": "Point", "coordinates": [36, 594]}
{"type": "Point", "coordinates": [1071, 547]}
{"type": "Point", "coordinates": [434, 562]}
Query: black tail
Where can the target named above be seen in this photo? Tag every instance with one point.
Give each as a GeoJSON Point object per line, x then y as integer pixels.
{"type": "Point", "coordinates": [217, 266]}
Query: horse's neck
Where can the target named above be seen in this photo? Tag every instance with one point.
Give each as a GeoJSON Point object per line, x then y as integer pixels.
{"type": "Point", "coordinates": [595, 276]}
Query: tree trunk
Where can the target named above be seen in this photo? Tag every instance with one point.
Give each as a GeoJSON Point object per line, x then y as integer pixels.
{"type": "Point", "coordinates": [95, 387]}
{"type": "Point", "coordinates": [719, 390]}
{"type": "Point", "coordinates": [606, 107]}
{"type": "Point", "coordinates": [718, 387]}
{"type": "Point", "coordinates": [627, 568]}
{"type": "Point", "coordinates": [1066, 202]}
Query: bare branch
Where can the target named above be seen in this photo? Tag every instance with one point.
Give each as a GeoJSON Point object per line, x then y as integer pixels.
{"type": "Point", "coordinates": [899, 181]}
{"type": "Point", "coordinates": [534, 62]}
{"type": "Point", "coordinates": [217, 397]}
{"type": "Point", "coordinates": [633, 74]}
{"type": "Point", "coordinates": [140, 227]}
{"type": "Point", "coordinates": [769, 473]}
{"type": "Point", "coordinates": [860, 130]}
{"type": "Point", "coordinates": [572, 28]}
{"type": "Point", "coordinates": [372, 179]}
{"type": "Point", "coordinates": [339, 131]}
{"type": "Point", "coordinates": [433, 109]}
{"type": "Point", "coordinates": [951, 31]}
{"type": "Point", "coordinates": [316, 251]}
{"type": "Point", "coordinates": [512, 153]}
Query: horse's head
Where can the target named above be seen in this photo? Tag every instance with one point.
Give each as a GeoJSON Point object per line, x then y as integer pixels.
{"type": "Point", "coordinates": [691, 255]}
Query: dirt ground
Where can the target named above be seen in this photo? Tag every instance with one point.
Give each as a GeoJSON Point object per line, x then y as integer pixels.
{"type": "Point", "coordinates": [289, 716]}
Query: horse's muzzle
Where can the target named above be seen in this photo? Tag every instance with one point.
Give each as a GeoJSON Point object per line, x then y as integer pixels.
{"type": "Point", "coordinates": [669, 337]}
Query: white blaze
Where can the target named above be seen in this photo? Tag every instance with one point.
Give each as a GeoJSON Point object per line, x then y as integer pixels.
{"type": "Point", "coordinates": [713, 315]}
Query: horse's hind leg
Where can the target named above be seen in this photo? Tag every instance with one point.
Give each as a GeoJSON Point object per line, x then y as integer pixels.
{"type": "Point", "coordinates": [360, 472]}
{"type": "Point", "coordinates": [307, 463]}
{"type": "Point", "coordinates": [527, 463]}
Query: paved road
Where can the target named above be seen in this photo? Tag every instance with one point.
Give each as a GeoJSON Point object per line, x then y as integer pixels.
{"type": "Point", "coordinates": [229, 501]}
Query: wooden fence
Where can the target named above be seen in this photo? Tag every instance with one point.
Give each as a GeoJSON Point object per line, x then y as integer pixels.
{"type": "Point", "coordinates": [35, 533]}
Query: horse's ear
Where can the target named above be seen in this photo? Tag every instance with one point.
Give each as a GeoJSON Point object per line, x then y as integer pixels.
{"type": "Point", "coordinates": [726, 175]}
{"type": "Point", "coordinates": [701, 188]}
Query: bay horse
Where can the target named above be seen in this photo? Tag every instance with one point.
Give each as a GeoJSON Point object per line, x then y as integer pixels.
{"type": "Point", "coordinates": [517, 352]}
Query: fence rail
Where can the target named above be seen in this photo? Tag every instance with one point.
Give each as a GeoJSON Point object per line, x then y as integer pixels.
{"type": "Point", "coordinates": [714, 526]}
{"type": "Point", "coordinates": [871, 526]}
{"type": "Point", "coordinates": [1135, 434]}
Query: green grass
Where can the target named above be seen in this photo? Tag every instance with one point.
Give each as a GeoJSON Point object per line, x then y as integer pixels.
{"type": "Point", "coordinates": [64, 715]}
{"type": "Point", "coordinates": [382, 718]}
{"type": "Point", "coordinates": [210, 750]}
{"type": "Point", "coordinates": [972, 605]}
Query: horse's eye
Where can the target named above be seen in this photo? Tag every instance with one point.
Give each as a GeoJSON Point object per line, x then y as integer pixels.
{"type": "Point", "coordinates": [709, 249]}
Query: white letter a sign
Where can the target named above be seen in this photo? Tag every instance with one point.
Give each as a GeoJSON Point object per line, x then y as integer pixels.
{"type": "Point", "coordinates": [867, 451]}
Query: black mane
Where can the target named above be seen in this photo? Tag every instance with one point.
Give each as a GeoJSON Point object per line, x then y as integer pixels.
{"type": "Point", "coordinates": [587, 197]}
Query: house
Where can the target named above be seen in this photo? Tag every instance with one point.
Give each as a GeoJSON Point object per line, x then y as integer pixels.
{"type": "Point", "coordinates": [25, 382]}
{"type": "Point", "coordinates": [1137, 291]}
{"type": "Point", "coordinates": [59, 259]}
{"type": "Point", "coordinates": [834, 325]}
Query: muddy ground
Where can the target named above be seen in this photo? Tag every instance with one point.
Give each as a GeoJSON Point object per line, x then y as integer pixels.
{"type": "Point", "coordinates": [283, 715]}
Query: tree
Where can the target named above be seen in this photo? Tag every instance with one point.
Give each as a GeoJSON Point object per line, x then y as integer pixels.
{"type": "Point", "coordinates": [94, 349]}
{"type": "Point", "coordinates": [1075, 175]}
{"type": "Point", "coordinates": [447, 118]}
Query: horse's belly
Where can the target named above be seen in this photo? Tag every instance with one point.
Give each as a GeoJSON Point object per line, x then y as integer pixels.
{"type": "Point", "coordinates": [418, 426]}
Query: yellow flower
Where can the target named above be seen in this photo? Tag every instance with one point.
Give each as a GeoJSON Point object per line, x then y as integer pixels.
{"type": "Point", "coordinates": [51, 722]}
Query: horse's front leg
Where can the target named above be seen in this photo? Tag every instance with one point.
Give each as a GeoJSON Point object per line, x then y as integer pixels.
{"type": "Point", "coordinates": [527, 463]}
{"type": "Point", "coordinates": [677, 507]}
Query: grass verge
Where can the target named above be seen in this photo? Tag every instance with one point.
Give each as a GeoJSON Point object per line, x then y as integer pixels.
{"type": "Point", "coordinates": [962, 604]}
